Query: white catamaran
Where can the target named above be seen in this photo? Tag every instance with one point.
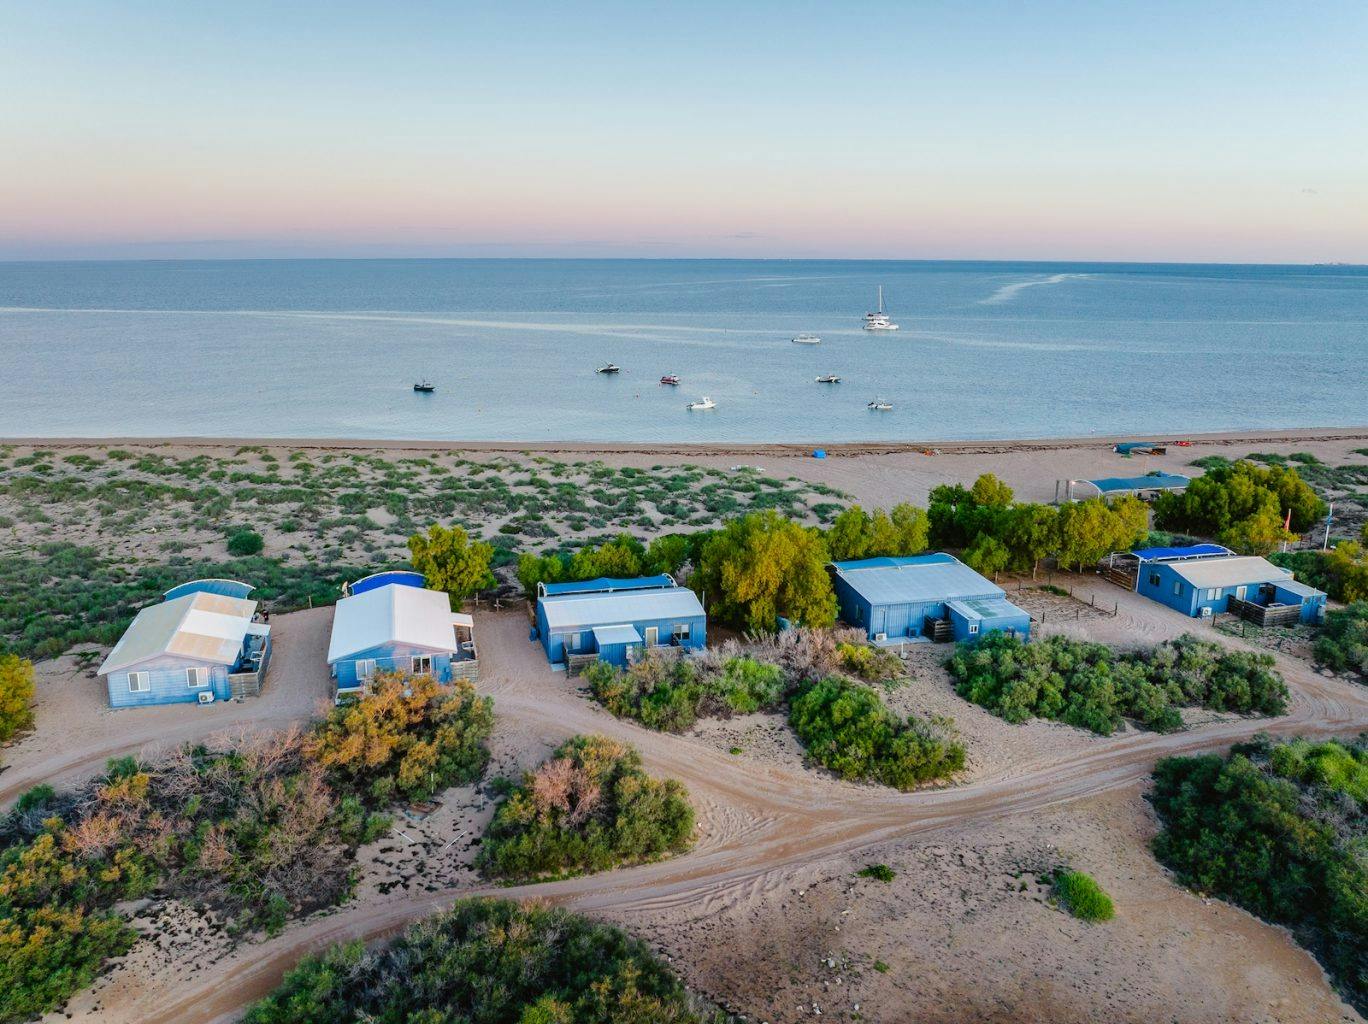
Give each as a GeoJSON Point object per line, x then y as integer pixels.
{"type": "Point", "coordinates": [878, 321]}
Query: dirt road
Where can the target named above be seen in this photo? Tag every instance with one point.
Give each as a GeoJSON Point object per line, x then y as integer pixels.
{"type": "Point", "coordinates": [757, 821]}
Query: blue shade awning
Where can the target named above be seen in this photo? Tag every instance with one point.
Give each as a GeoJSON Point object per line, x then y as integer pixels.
{"type": "Point", "coordinates": [224, 588]}
{"type": "Point", "coordinates": [606, 584]}
{"type": "Point", "coordinates": [1190, 551]}
{"type": "Point", "coordinates": [1155, 482]}
{"type": "Point", "coordinates": [608, 636]}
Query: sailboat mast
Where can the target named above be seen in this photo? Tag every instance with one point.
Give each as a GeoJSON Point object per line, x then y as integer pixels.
{"type": "Point", "coordinates": [880, 298]}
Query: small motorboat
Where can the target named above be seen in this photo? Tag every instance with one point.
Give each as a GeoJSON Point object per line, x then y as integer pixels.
{"type": "Point", "coordinates": [609, 368]}
{"type": "Point", "coordinates": [706, 403]}
{"type": "Point", "coordinates": [425, 386]}
{"type": "Point", "coordinates": [807, 339]}
{"type": "Point", "coordinates": [671, 379]}
{"type": "Point", "coordinates": [880, 405]}
{"type": "Point", "coordinates": [829, 378]}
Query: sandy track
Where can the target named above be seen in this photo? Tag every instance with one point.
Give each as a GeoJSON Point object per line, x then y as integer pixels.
{"type": "Point", "coordinates": [761, 820]}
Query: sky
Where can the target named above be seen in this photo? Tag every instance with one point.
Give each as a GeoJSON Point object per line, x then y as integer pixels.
{"type": "Point", "coordinates": [1105, 130]}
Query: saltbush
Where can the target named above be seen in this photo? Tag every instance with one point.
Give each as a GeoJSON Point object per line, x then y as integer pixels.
{"type": "Point", "coordinates": [1279, 829]}
{"type": "Point", "coordinates": [244, 543]}
{"type": "Point", "coordinates": [590, 807]}
{"type": "Point", "coordinates": [490, 961]}
{"type": "Point", "coordinates": [672, 694]}
{"type": "Point", "coordinates": [1343, 643]}
{"type": "Point", "coordinates": [846, 727]}
{"type": "Point", "coordinates": [1094, 687]}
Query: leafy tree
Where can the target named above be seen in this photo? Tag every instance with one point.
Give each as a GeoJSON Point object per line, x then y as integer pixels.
{"type": "Point", "coordinates": [987, 555]}
{"type": "Point", "coordinates": [535, 569]}
{"type": "Point", "coordinates": [847, 728]}
{"type": "Point", "coordinates": [1030, 532]}
{"type": "Point", "coordinates": [761, 566]}
{"type": "Point", "coordinates": [990, 492]}
{"type": "Point", "coordinates": [623, 557]}
{"type": "Point", "coordinates": [1090, 529]}
{"type": "Point", "coordinates": [1258, 533]}
{"type": "Point", "coordinates": [486, 960]}
{"type": "Point", "coordinates": [1229, 494]}
{"type": "Point", "coordinates": [952, 512]}
{"type": "Point", "coordinates": [16, 695]}
{"type": "Point", "coordinates": [1346, 564]}
{"type": "Point", "coordinates": [668, 553]}
{"type": "Point", "coordinates": [408, 738]}
{"type": "Point", "coordinates": [451, 561]}
{"type": "Point", "coordinates": [1343, 643]}
{"type": "Point", "coordinates": [903, 530]}
{"type": "Point", "coordinates": [590, 807]}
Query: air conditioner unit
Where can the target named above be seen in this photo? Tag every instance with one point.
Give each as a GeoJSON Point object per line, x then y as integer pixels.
{"type": "Point", "coordinates": [206, 696]}
{"type": "Point", "coordinates": [880, 637]}
{"type": "Point", "coordinates": [1206, 613]}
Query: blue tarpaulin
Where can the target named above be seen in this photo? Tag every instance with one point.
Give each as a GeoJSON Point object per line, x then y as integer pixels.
{"type": "Point", "coordinates": [1156, 482]}
{"type": "Point", "coordinates": [1191, 551]}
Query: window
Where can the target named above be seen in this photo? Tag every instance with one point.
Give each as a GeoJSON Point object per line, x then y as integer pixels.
{"type": "Point", "coordinates": [1213, 595]}
{"type": "Point", "coordinates": [197, 678]}
{"type": "Point", "coordinates": [365, 668]}
{"type": "Point", "coordinates": [1178, 589]}
{"type": "Point", "coordinates": [1154, 579]}
{"type": "Point", "coordinates": [973, 628]}
{"type": "Point", "coordinates": [680, 631]}
{"type": "Point", "coordinates": [652, 636]}
{"type": "Point", "coordinates": [422, 665]}
{"type": "Point", "coordinates": [138, 682]}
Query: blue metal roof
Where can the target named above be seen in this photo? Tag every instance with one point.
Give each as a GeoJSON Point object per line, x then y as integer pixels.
{"type": "Point", "coordinates": [1155, 481]}
{"type": "Point", "coordinates": [226, 588]}
{"type": "Point", "coordinates": [923, 579]}
{"type": "Point", "coordinates": [376, 580]}
{"type": "Point", "coordinates": [605, 584]}
{"type": "Point", "coordinates": [579, 611]}
{"type": "Point", "coordinates": [1190, 551]}
{"type": "Point", "coordinates": [987, 608]}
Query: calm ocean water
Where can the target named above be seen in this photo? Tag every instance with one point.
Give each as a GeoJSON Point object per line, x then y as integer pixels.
{"type": "Point", "coordinates": [331, 348]}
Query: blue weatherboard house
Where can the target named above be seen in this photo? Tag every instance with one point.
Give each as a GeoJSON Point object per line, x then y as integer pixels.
{"type": "Point", "coordinates": [1204, 579]}
{"type": "Point", "coordinates": [390, 622]}
{"type": "Point", "coordinates": [937, 596]}
{"type": "Point", "coordinates": [610, 617]}
{"type": "Point", "coordinates": [185, 649]}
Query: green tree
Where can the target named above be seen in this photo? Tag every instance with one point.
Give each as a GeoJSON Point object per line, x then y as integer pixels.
{"type": "Point", "coordinates": [535, 569]}
{"type": "Point", "coordinates": [622, 557]}
{"type": "Point", "coordinates": [1259, 533]}
{"type": "Point", "coordinates": [16, 695]}
{"type": "Point", "coordinates": [987, 555]}
{"type": "Point", "coordinates": [848, 536]}
{"type": "Point", "coordinates": [451, 561]}
{"type": "Point", "coordinates": [902, 530]}
{"type": "Point", "coordinates": [1031, 532]}
{"type": "Point", "coordinates": [990, 492]}
{"type": "Point", "coordinates": [668, 553]}
{"type": "Point", "coordinates": [761, 566]}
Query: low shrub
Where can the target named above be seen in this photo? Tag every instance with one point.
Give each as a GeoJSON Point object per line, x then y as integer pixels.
{"type": "Point", "coordinates": [672, 694]}
{"type": "Point", "coordinates": [1343, 643]}
{"type": "Point", "coordinates": [244, 543]}
{"type": "Point", "coordinates": [872, 664]}
{"type": "Point", "coordinates": [590, 807]}
{"type": "Point", "coordinates": [1279, 829]}
{"type": "Point", "coordinates": [879, 872]}
{"type": "Point", "coordinates": [16, 695]}
{"type": "Point", "coordinates": [1081, 896]}
{"type": "Point", "coordinates": [408, 738]}
{"type": "Point", "coordinates": [847, 728]}
{"type": "Point", "coordinates": [1093, 687]}
{"type": "Point", "coordinates": [490, 961]}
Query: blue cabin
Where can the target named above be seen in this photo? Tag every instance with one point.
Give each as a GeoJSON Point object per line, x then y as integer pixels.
{"type": "Point", "coordinates": [617, 618]}
{"type": "Point", "coordinates": [1205, 579]}
{"type": "Point", "coordinates": [390, 622]}
{"type": "Point", "coordinates": [191, 648]}
{"type": "Point", "coordinates": [921, 597]}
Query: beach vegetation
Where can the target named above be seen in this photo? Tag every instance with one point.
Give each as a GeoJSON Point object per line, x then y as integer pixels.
{"type": "Point", "coordinates": [450, 561]}
{"type": "Point", "coordinates": [1342, 571]}
{"type": "Point", "coordinates": [847, 728]}
{"type": "Point", "coordinates": [242, 543]}
{"type": "Point", "coordinates": [1243, 506]}
{"type": "Point", "coordinates": [487, 960]}
{"type": "Point", "coordinates": [671, 694]}
{"type": "Point", "coordinates": [1278, 828]}
{"type": "Point", "coordinates": [1094, 687]}
{"type": "Point", "coordinates": [761, 566]}
{"type": "Point", "coordinates": [589, 807]}
{"type": "Point", "coordinates": [1081, 896]}
{"type": "Point", "coordinates": [16, 695]}
{"type": "Point", "coordinates": [1089, 530]}
{"type": "Point", "coordinates": [900, 531]}
{"type": "Point", "coordinates": [1343, 643]}
{"type": "Point", "coordinates": [878, 872]}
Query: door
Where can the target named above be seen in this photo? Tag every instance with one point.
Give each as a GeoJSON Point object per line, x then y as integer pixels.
{"type": "Point", "coordinates": [1240, 593]}
{"type": "Point", "coordinates": [652, 636]}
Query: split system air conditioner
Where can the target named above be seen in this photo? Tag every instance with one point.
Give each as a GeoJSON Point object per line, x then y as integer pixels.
{"type": "Point", "coordinates": [880, 637]}
{"type": "Point", "coordinates": [206, 696]}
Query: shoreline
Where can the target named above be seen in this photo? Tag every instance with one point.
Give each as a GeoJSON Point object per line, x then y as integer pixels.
{"type": "Point", "coordinates": [666, 448]}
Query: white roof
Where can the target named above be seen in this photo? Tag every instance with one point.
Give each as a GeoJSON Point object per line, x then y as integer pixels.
{"type": "Point", "coordinates": [202, 627]}
{"type": "Point", "coordinates": [582, 611]}
{"type": "Point", "coordinates": [395, 614]}
{"type": "Point", "coordinates": [1211, 573]}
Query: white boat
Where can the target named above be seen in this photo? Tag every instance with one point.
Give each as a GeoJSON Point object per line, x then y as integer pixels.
{"type": "Point", "coordinates": [829, 378]}
{"type": "Point", "coordinates": [878, 321]}
{"type": "Point", "coordinates": [807, 339]}
{"type": "Point", "coordinates": [880, 405]}
{"type": "Point", "coordinates": [706, 403]}
{"type": "Point", "coordinates": [609, 368]}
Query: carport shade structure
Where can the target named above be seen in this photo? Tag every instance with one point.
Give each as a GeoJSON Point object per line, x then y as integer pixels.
{"type": "Point", "coordinates": [1109, 485]}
